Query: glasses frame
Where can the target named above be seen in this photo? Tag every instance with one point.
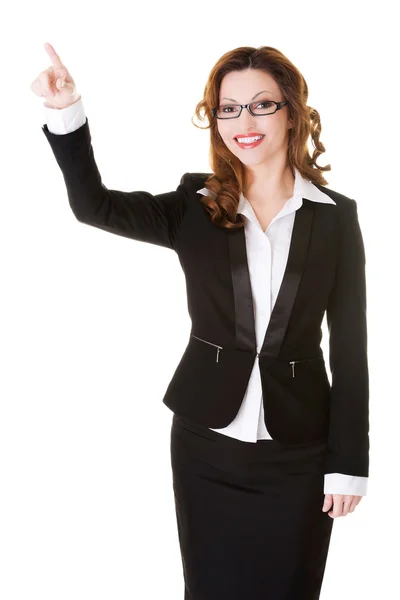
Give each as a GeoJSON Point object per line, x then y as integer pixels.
{"type": "Point", "coordinates": [278, 105]}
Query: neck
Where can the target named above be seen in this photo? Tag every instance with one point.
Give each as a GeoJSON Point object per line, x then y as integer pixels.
{"type": "Point", "coordinates": [269, 183]}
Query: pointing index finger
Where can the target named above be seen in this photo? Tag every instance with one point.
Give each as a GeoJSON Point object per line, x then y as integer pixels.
{"type": "Point", "coordinates": [55, 59]}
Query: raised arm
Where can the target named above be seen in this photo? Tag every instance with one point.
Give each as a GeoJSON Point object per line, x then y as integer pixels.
{"type": "Point", "coordinates": [138, 215]}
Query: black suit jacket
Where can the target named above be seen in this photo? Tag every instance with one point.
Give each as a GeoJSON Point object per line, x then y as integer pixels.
{"type": "Point", "coordinates": [325, 272]}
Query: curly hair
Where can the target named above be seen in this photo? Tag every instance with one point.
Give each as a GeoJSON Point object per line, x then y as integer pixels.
{"type": "Point", "coordinates": [226, 181]}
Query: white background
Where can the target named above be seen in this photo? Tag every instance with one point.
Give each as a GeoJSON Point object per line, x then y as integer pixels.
{"type": "Point", "coordinates": [93, 325]}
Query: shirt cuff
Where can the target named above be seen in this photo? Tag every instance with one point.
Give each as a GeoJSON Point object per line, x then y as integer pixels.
{"type": "Point", "coordinates": [65, 120]}
{"type": "Point", "coordinates": [339, 483]}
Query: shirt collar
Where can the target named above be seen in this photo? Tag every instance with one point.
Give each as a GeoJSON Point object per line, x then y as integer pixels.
{"type": "Point", "coordinates": [302, 189]}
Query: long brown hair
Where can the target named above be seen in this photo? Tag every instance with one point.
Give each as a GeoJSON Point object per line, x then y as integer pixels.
{"type": "Point", "coordinates": [227, 178]}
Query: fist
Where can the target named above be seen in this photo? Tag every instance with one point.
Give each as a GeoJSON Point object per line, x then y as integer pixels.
{"type": "Point", "coordinates": [55, 84]}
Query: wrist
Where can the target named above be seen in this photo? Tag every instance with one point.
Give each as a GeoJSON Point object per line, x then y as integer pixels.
{"type": "Point", "coordinates": [76, 99]}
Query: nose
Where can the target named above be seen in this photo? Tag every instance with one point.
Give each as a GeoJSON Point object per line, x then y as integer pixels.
{"type": "Point", "coordinates": [247, 120]}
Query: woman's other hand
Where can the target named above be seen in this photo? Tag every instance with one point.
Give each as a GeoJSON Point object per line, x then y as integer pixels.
{"type": "Point", "coordinates": [342, 504]}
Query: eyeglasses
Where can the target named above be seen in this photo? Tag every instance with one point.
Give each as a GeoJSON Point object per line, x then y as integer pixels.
{"type": "Point", "coordinates": [257, 109]}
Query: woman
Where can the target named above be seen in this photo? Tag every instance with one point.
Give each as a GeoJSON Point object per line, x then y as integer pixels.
{"type": "Point", "coordinates": [262, 446]}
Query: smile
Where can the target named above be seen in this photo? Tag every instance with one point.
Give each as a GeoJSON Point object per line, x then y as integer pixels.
{"type": "Point", "coordinates": [249, 142]}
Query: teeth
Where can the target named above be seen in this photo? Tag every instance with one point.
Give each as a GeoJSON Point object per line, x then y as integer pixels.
{"type": "Point", "coordinates": [249, 140]}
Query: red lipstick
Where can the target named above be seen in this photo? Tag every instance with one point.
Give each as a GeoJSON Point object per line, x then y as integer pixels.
{"type": "Point", "coordinates": [250, 134]}
{"type": "Point", "coordinates": [253, 144]}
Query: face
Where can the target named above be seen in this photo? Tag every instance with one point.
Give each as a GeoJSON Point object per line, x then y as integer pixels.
{"type": "Point", "coordinates": [253, 85]}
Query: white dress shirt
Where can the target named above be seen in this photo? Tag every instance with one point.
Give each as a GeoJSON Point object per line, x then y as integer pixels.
{"type": "Point", "coordinates": [267, 253]}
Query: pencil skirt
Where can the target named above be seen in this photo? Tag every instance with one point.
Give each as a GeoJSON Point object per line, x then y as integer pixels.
{"type": "Point", "coordinates": [249, 516]}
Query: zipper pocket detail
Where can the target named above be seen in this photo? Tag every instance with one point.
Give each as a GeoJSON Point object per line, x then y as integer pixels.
{"type": "Point", "coordinates": [219, 348]}
{"type": "Point", "coordinates": [293, 362]}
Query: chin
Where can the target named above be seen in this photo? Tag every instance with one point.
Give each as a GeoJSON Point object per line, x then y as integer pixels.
{"type": "Point", "coordinates": [252, 162]}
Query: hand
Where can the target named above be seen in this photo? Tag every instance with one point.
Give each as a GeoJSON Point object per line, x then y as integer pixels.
{"type": "Point", "coordinates": [55, 83]}
{"type": "Point", "coordinates": [342, 504]}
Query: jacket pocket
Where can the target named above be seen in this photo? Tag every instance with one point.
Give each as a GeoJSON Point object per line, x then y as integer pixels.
{"type": "Point", "coordinates": [302, 360]}
{"type": "Point", "coordinates": [219, 348]}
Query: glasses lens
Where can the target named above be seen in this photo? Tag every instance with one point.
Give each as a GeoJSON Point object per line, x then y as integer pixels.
{"type": "Point", "coordinates": [229, 111]}
{"type": "Point", "coordinates": [265, 107]}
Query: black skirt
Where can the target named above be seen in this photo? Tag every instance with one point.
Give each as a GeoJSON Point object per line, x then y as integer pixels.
{"type": "Point", "coordinates": [249, 516]}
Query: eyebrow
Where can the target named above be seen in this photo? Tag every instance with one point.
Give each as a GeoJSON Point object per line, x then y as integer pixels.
{"type": "Point", "coordinates": [252, 97]}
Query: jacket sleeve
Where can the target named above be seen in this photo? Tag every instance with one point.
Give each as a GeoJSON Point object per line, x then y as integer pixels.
{"type": "Point", "coordinates": [348, 437]}
{"type": "Point", "coordinates": [138, 215]}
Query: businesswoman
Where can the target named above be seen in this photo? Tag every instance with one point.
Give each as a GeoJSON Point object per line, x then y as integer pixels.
{"type": "Point", "coordinates": [265, 451]}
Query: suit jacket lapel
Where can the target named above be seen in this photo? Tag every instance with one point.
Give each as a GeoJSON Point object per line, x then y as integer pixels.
{"type": "Point", "coordinates": [244, 311]}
